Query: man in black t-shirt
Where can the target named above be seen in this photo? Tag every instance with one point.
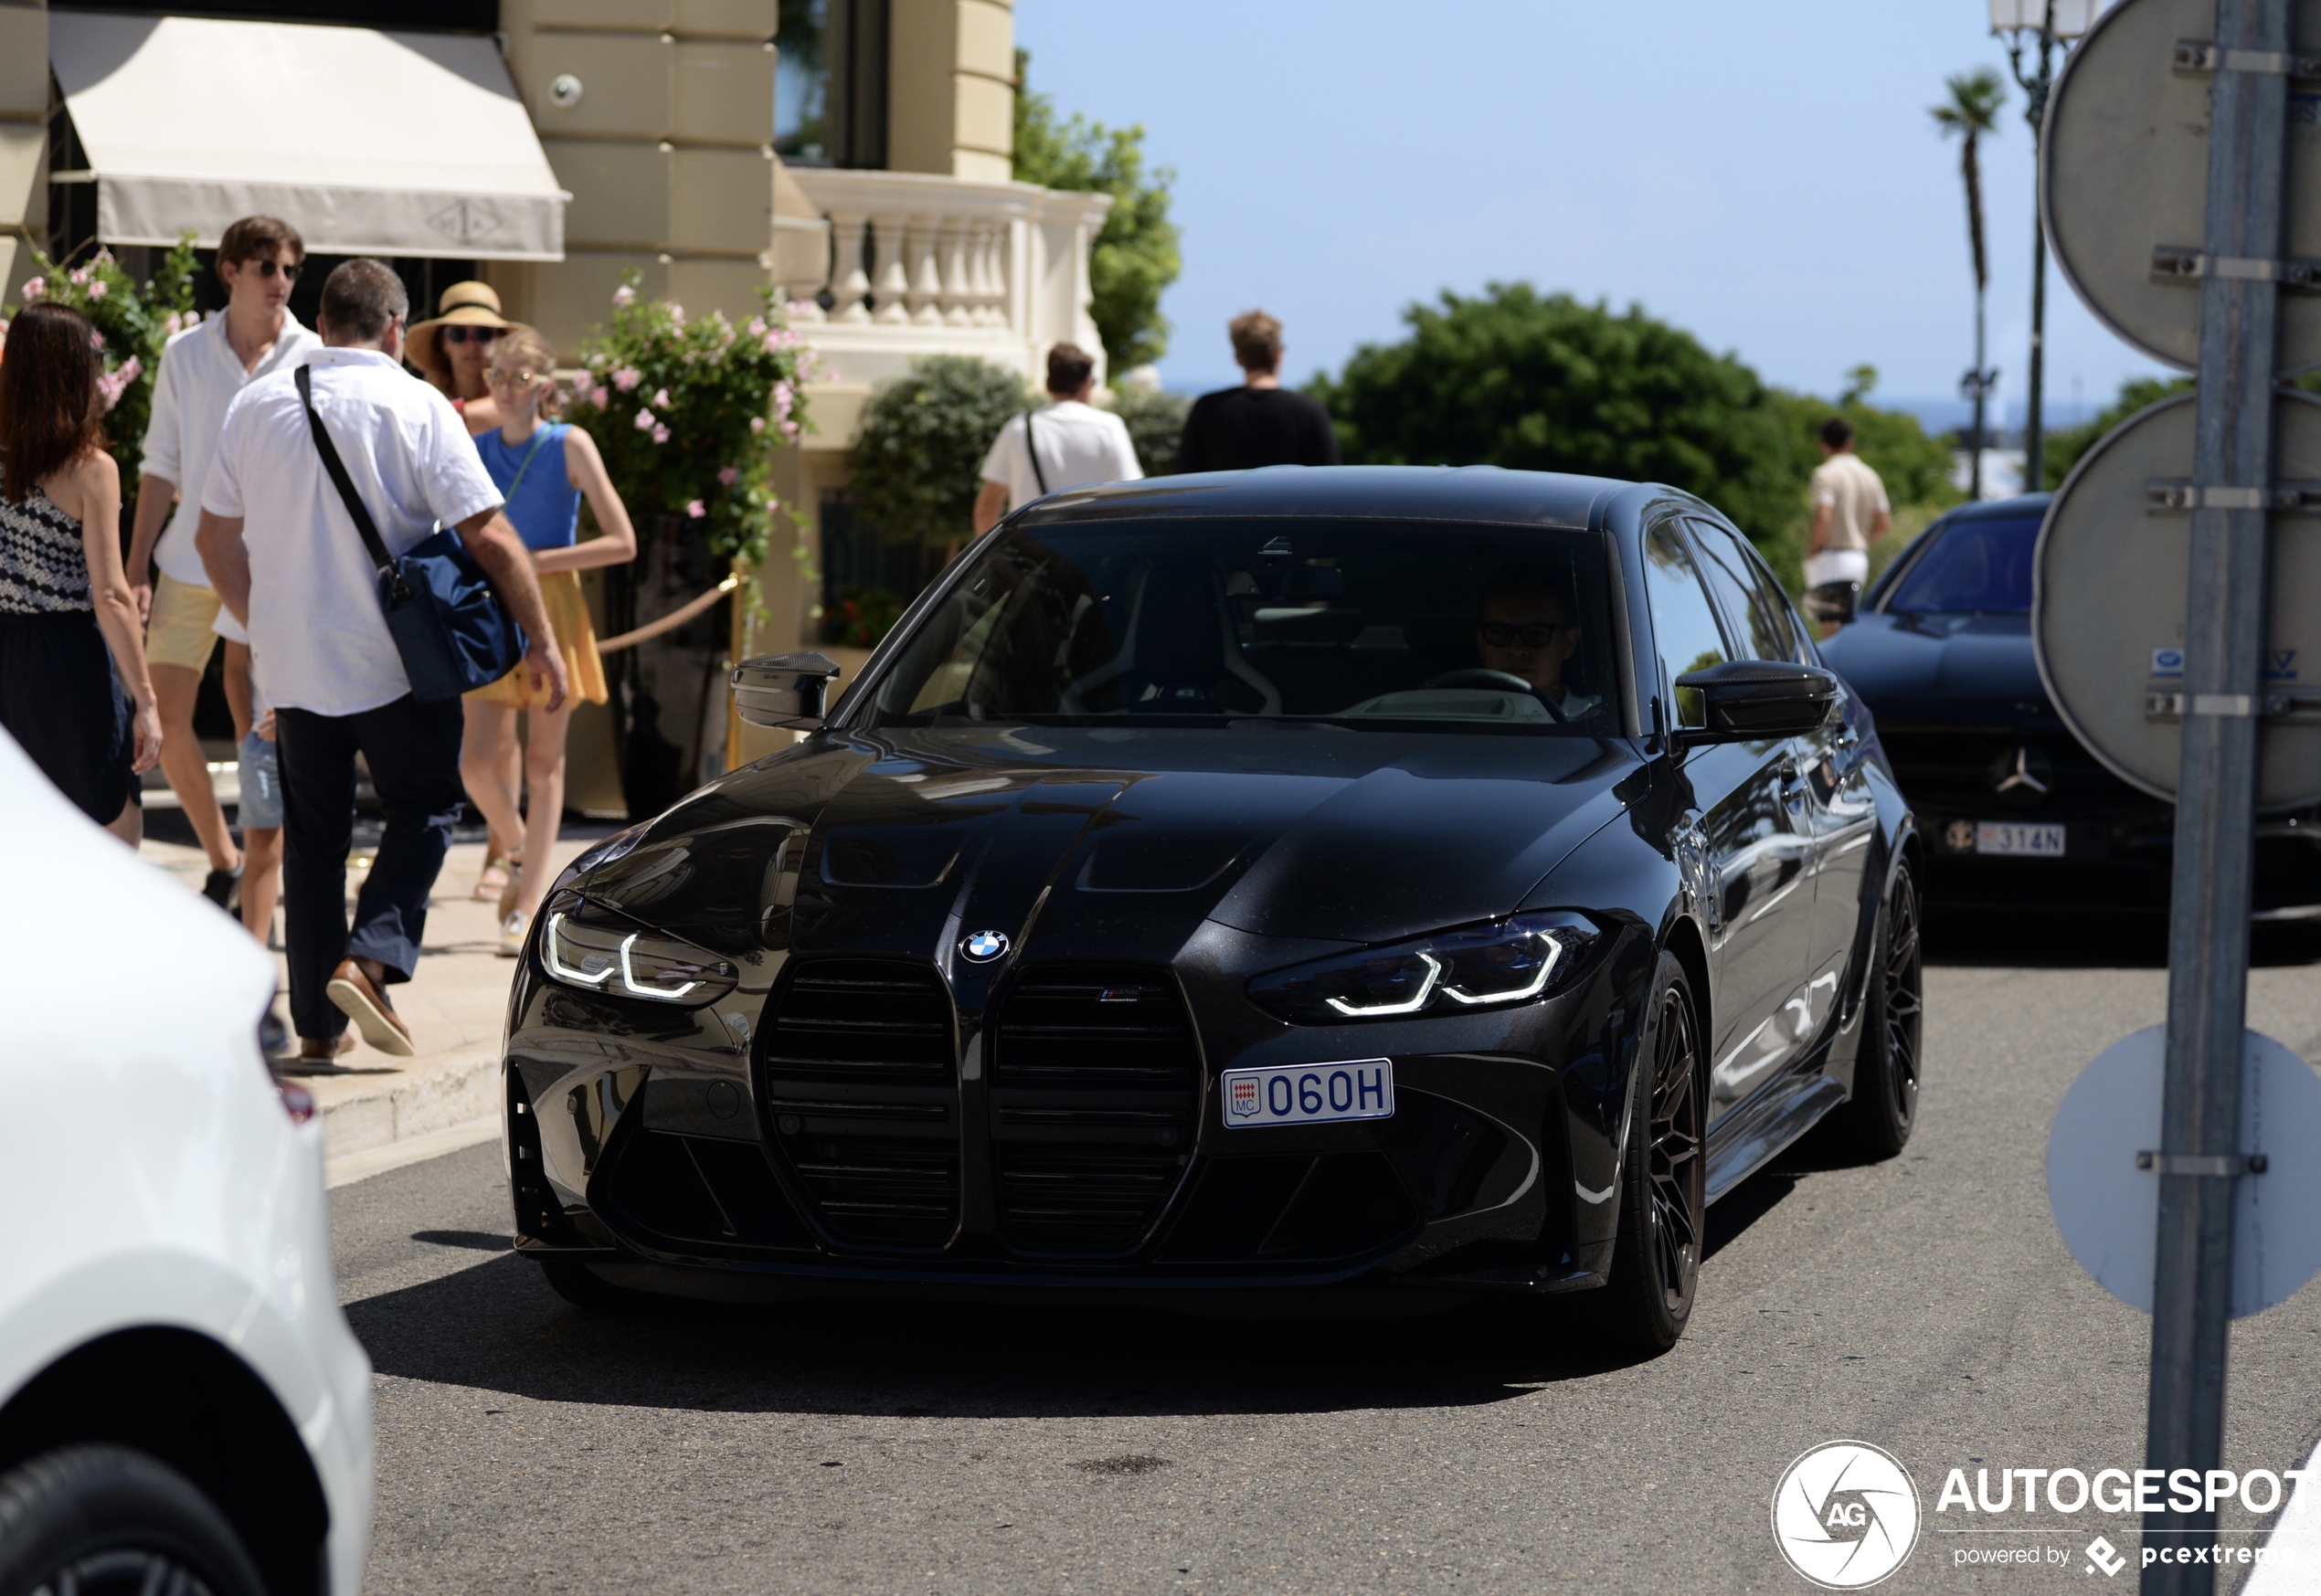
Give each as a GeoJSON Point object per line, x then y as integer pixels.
{"type": "Point", "coordinates": [1260, 423]}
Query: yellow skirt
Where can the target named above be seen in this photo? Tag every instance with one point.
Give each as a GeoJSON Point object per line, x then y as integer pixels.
{"type": "Point", "coordinates": [576, 639]}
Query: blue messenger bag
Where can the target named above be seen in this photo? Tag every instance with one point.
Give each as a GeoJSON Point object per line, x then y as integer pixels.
{"type": "Point", "coordinates": [449, 627]}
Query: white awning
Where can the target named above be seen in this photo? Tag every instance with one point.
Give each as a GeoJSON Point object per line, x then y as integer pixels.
{"type": "Point", "coordinates": [367, 142]}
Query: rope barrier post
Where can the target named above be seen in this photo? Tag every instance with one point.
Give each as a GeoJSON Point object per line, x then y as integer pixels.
{"type": "Point", "coordinates": [737, 649]}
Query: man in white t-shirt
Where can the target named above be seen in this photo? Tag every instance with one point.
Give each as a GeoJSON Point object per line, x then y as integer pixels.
{"type": "Point", "coordinates": [1850, 513]}
{"type": "Point", "coordinates": [1071, 444]}
{"type": "Point", "coordinates": [285, 555]}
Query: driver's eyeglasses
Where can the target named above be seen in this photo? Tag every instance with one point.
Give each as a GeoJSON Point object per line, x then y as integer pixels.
{"type": "Point", "coordinates": [1500, 635]}
{"type": "Point", "coordinates": [286, 270]}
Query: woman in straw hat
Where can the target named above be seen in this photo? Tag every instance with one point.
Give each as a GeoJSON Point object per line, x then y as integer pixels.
{"type": "Point", "coordinates": [544, 467]}
{"type": "Point", "coordinates": [451, 352]}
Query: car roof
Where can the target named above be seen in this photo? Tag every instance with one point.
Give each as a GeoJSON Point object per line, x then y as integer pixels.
{"type": "Point", "coordinates": [1997, 509]}
{"type": "Point", "coordinates": [1477, 494]}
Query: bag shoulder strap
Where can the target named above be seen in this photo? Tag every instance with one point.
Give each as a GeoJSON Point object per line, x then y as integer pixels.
{"type": "Point", "coordinates": [1032, 449]}
{"type": "Point", "coordinates": [539, 436]}
{"type": "Point", "coordinates": [339, 478]}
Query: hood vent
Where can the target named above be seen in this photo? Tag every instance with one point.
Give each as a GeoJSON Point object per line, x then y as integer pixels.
{"type": "Point", "coordinates": [861, 1098]}
{"type": "Point", "coordinates": [1094, 1093]}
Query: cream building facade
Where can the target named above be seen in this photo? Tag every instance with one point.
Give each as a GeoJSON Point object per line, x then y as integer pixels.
{"type": "Point", "coordinates": [657, 122]}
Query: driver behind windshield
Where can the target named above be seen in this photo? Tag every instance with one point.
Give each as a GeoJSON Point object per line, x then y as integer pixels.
{"type": "Point", "coordinates": [1526, 630]}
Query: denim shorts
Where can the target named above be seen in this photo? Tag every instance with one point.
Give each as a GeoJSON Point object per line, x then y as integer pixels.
{"type": "Point", "coordinates": [261, 800]}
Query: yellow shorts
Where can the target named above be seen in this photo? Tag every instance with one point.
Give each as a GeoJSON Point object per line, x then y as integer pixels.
{"type": "Point", "coordinates": [179, 632]}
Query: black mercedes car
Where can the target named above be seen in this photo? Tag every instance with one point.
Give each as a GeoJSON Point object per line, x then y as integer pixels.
{"type": "Point", "coordinates": [1386, 882]}
{"type": "Point", "coordinates": [2016, 814]}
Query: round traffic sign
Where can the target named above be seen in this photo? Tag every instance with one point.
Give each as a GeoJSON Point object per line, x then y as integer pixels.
{"type": "Point", "coordinates": [2107, 1205]}
{"type": "Point", "coordinates": [2123, 178]}
{"type": "Point", "coordinates": [2110, 581]}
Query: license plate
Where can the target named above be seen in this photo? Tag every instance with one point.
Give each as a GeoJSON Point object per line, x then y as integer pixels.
{"type": "Point", "coordinates": [1310, 1093]}
{"type": "Point", "coordinates": [2016, 837]}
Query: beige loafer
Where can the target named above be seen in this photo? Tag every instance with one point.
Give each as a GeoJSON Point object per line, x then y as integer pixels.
{"type": "Point", "coordinates": [366, 1005]}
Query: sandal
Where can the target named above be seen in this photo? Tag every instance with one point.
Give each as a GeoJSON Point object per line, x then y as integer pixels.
{"type": "Point", "coordinates": [507, 892]}
{"type": "Point", "coordinates": [490, 885]}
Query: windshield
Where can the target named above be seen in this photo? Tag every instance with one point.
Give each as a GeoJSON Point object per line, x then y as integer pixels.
{"type": "Point", "coordinates": [1977, 565]}
{"type": "Point", "coordinates": [1379, 623]}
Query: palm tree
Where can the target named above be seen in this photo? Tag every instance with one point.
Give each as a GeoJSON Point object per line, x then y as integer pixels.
{"type": "Point", "coordinates": [1971, 111]}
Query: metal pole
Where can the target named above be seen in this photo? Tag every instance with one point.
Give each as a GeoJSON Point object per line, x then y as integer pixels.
{"type": "Point", "coordinates": [2034, 425]}
{"type": "Point", "coordinates": [2216, 796]}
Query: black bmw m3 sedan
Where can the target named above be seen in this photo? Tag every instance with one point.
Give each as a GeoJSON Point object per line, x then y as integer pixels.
{"type": "Point", "coordinates": [1368, 886]}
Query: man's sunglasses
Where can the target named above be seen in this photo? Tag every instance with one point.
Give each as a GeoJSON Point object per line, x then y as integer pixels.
{"type": "Point", "coordinates": [289, 270]}
{"type": "Point", "coordinates": [1500, 635]}
{"type": "Point", "coordinates": [470, 335]}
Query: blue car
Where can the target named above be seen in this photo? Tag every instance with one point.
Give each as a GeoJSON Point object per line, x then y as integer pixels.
{"type": "Point", "coordinates": [2016, 813]}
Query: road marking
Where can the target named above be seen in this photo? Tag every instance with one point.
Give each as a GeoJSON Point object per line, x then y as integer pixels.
{"type": "Point", "coordinates": [2296, 1545]}
{"type": "Point", "coordinates": [370, 1161]}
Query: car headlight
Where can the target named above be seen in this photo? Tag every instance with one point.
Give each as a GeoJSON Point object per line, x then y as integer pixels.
{"type": "Point", "coordinates": [588, 947]}
{"type": "Point", "coordinates": [1509, 961]}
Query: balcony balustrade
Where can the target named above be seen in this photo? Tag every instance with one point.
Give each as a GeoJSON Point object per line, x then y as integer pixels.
{"type": "Point", "coordinates": [920, 264]}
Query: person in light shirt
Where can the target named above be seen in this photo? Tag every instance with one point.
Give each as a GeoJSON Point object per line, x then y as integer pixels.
{"type": "Point", "coordinates": [202, 370]}
{"type": "Point", "coordinates": [283, 553]}
{"type": "Point", "coordinates": [1850, 513]}
{"type": "Point", "coordinates": [1071, 444]}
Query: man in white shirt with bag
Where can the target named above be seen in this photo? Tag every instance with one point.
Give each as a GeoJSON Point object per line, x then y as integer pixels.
{"type": "Point", "coordinates": [1071, 444]}
{"type": "Point", "coordinates": [284, 552]}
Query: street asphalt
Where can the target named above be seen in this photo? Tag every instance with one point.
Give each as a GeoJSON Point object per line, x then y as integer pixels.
{"type": "Point", "coordinates": [1925, 1304]}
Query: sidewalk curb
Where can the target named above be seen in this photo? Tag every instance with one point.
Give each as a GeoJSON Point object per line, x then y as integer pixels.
{"type": "Point", "coordinates": [454, 1089]}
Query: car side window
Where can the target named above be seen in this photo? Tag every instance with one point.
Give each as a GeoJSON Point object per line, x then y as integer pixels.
{"type": "Point", "coordinates": [1684, 624]}
{"type": "Point", "coordinates": [1757, 610]}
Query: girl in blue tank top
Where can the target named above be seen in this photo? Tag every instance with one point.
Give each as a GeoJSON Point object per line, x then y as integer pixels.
{"type": "Point", "coordinates": [544, 467]}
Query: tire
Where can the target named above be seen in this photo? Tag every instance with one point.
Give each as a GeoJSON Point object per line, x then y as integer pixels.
{"type": "Point", "coordinates": [1656, 1262]}
{"type": "Point", "coordinates": [1876, 1122]}
{"type": "Point", "coordinates": [584, 1288]}
{"type": "Point", "coordinates": [107, 1521]}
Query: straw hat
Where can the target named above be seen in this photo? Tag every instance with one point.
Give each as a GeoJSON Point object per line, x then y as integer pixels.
{"type": "Point", "coordinates": [463, 304]}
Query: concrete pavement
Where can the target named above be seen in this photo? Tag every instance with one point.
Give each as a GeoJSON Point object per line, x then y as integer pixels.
{"type": "Point", "coordinates": [382, 1109]}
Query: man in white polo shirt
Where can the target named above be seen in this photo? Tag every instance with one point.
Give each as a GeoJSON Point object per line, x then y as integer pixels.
{"type": "Point", "coordinates": [1071, 444]}
{"type": "Point", "coordinates": [202, 368]}
{"type": "Point", "coordinates": [287, 561]}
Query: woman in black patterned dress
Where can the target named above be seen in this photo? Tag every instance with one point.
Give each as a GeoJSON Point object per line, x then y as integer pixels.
{"type": "Point", "coordinates": [63, 596]}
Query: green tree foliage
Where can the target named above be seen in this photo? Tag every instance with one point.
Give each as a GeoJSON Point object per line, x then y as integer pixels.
{"type": "Point", "coordinates": [1544, 382]}
{"type": "Point", "coordinates": [687, 412]}
{"type": "Point", "coordinates": [1135, 257]}
{"type": "Point", "coordinates": [2065, 446]}
{"type": "Point", "coordinates": [134, 322]}
{"type": "Point", "coordinates": [1155, 420]}
{"type": "Point", "coordinates": [919, 457]}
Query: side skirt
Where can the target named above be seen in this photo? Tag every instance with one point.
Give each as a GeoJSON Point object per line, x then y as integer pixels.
{"type": "Point", "coordinates": [1754, 1134]}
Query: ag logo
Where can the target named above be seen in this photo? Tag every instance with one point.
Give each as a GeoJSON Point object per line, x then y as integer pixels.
{"type": "Point", "coordinates": [983, 947]}
{"type": "Point", "coordinates": [1846, 1514]}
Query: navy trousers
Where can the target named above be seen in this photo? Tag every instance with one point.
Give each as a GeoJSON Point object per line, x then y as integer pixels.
{"type": "Point", "coordinates": [413, 753]}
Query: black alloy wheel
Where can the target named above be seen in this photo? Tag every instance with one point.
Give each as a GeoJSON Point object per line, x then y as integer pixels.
{"type": "Point", "coordinates": [107, 1521]}
{"type": "Point", "coordinates": [1884, 1108]}
{"type": "Point", "coordinates": [1656, 1264]}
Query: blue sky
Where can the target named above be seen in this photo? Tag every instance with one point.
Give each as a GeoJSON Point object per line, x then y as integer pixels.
{"type": "Point", "coordinates": [1762, 174]}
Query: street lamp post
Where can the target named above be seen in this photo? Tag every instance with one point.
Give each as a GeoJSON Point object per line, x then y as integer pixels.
{"type": "Point", "coordinates": [2049, 22]}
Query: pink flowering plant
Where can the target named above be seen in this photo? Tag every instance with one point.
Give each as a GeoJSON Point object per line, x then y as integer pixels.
{"type": "Point", "coordinates": [132, 322]}
{"type": "Point", "coordinates": [687, 411]}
